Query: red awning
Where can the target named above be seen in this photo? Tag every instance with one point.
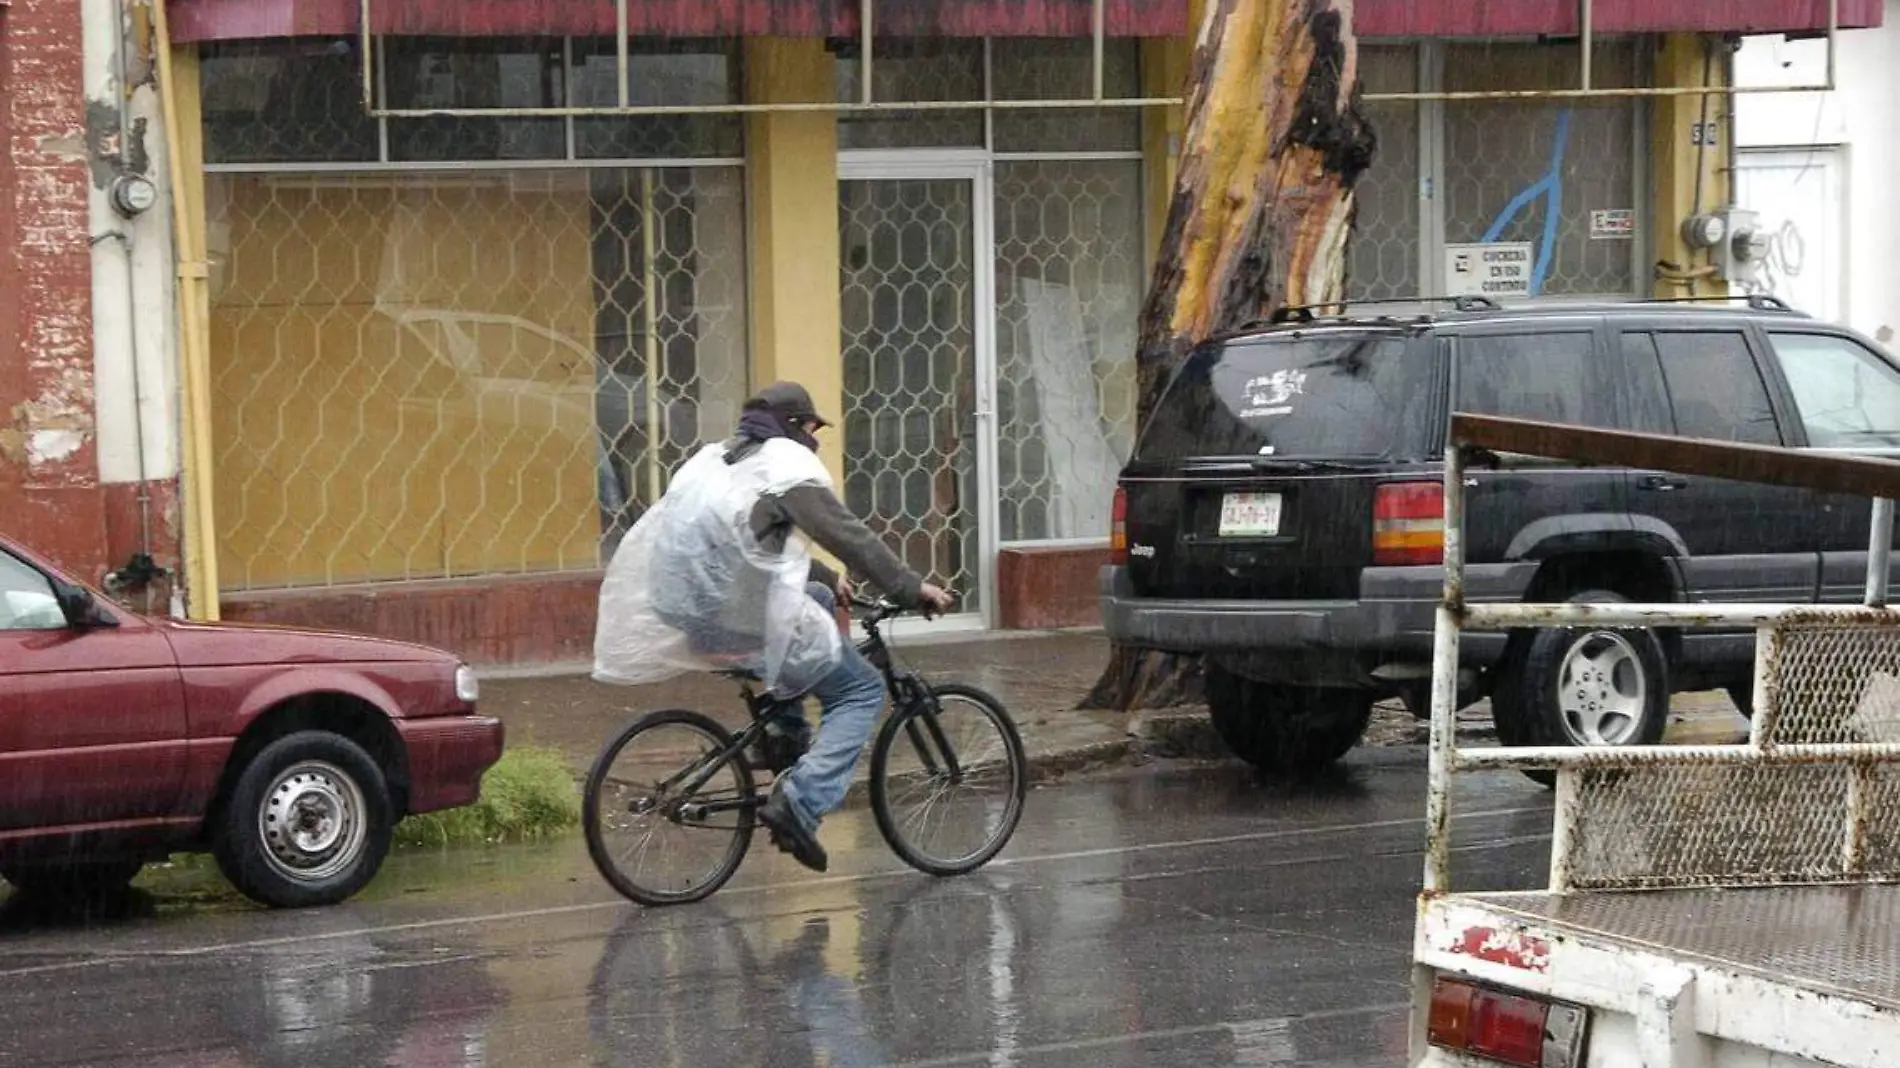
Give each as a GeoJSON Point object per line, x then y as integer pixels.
{"type": "Point", "coordinates": [210, 20]}
{"type": "Point", "coordinates": [214, 20]}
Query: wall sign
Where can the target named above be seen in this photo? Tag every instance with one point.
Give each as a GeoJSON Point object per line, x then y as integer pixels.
{"type": "Point", "coordinates": [1489, 269]}
{"type": "Point", "coordinates": [1612, 224]}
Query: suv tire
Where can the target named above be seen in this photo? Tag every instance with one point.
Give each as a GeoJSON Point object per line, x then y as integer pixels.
{"type": "Point", "coordinates": [1617, 682]}
{"type": "Point", "coordinates": [1285, 730]}
{"type": "Point", "coordinates": [308, 822]}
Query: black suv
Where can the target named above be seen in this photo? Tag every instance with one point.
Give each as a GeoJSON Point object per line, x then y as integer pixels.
{"type": "Point", "coordinates": [1283, 512]}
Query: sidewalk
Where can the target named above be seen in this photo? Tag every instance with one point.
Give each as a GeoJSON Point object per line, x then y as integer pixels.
{"type": "Point", "coordinates": [1039, 677]}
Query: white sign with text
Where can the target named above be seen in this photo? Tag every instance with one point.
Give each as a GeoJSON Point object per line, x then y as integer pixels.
{"type": "Point", "coordinates": [1490, 269]}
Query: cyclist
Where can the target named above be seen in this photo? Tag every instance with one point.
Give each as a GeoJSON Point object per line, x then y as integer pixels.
{"type": "Point", "coordinates": [719, 574]}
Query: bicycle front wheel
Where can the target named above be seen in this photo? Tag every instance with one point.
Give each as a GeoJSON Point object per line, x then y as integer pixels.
{"type": "Point", "coordinates": [948, 777]}
{"type": "Point", "coordinates": [655, 838]}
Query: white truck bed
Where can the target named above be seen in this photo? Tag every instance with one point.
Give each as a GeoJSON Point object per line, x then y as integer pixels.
{"type": "Point", "coordinates": [1781, 976]}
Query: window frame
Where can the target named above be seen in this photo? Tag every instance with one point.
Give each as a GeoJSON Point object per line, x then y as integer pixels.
{"type": "Point", "coordinates": [1773, 388]}
{"type": "Point", "coordinates": [1771, 359]}
{"type": "Point", "coordinates": [9, 563]}
{"type": "Point", "coordinates": [1600, 387]}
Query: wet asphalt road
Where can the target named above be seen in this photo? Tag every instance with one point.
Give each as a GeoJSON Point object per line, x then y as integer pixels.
{"type": "Point", "coordinates": [1170, 916]}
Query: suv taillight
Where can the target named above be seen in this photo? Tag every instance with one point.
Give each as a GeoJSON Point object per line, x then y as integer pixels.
{"type": "Point", "coordinates": [1118, 529]}
{"type": "Point", "coordinates": [1408, 523]}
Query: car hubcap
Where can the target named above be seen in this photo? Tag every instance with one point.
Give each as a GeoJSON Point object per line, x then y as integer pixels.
{"type": "Point", "coordinates": [1602, 691]}
{"type": "Point", "coordinates": [311, 821]}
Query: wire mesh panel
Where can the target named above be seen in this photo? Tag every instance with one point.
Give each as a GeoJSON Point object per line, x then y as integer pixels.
{"type": "Point", "coordinates": [1834, 681]}
{"type": "Point", "coordinates": [1068, 291]}
{"type": "Point", "coordinates": [907, 302]}
{"type": "Point", "coordinates": [1694, 821]}
{"type": "Point", "coordinates": [1383, 257]}
{"type": "Point", "coordinates": [422, 375]}
{"type": "Point", "coordinates": [1709, 824]}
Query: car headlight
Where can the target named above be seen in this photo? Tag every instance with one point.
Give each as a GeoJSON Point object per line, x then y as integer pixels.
{"type": "Point", "coordinates": [467, 687]}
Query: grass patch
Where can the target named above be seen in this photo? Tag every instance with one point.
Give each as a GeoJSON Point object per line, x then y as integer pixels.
{"type": "Point", "coordinates": [529, 794]}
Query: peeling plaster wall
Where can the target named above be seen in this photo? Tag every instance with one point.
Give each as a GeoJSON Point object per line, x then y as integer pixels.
{"type": "Point", "coordinates": [49, 467]}
{"type": "Point", "coordinates": [132, 296]}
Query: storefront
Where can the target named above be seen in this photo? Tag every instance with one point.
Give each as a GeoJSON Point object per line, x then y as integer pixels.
{"type": "Point", "coordinates": [453, 358]}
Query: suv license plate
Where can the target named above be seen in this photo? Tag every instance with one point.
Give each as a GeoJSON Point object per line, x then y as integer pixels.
{"type": "Point", "coordinates": [1250, 515]}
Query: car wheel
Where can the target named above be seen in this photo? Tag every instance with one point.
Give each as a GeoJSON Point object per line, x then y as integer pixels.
{"type": "Point", "coordinates": [1584, 686]}
{"type": "Point", "coordinates": [1286, 730]}
{"type": "Point", "coordinates": [81, 878]}
{"type": "Point", "coordinates": [307, 824]}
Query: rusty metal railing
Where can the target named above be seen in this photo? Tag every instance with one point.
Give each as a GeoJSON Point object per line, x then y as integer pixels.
{"type": "Point", "coordinates": [1806, 799]}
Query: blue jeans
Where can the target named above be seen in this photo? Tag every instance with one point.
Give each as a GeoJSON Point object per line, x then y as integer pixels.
{"type": "Point", "coordinates": [851, 696]}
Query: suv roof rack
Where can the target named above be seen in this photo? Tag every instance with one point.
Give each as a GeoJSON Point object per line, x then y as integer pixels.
{"type": "Point", "coordinates": [1762, 302]}
{"type": "Point", "coordinates": [1306, 313]}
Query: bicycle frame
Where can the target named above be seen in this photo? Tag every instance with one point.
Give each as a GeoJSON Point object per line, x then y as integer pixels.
{"type": "Point", "coordinates": [906, 689]}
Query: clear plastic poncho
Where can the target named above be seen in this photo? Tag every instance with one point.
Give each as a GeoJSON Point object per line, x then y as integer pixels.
{"type": "Point", "coordinates": [690, 589]}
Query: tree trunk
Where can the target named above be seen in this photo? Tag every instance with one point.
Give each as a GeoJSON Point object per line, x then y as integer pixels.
{"type": "Point", "coordinates": [1260, 218]}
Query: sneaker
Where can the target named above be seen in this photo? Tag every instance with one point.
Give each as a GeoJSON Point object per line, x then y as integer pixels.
{"type": "Point", "coordinates": [788, 834]}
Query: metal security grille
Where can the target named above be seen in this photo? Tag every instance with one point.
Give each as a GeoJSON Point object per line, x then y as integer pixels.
{"type": "Point", "coordinates": [907, 292]}
{"type": "Point", "coordinates": [1382, 260]}
{"type": "Point", "coordinates": [425, 375]}
{"type": "Point", "coordinates": [1542, 171]}
{"type": "Point", "coordinates": [1068, 292]}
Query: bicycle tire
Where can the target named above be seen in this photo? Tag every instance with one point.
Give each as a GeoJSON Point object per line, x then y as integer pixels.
{"type": "Point", "coordinates": [597, 849]}
{"type": "Point", "coordinates": [1018, 768]}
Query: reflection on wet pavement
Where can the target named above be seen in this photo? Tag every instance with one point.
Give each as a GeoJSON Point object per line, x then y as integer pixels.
{"type": "Point", "coordinates": [1185, 917]}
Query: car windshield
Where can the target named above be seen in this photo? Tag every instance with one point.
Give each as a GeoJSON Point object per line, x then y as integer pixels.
{"type": "Point", "coordinates": [1339, 396]}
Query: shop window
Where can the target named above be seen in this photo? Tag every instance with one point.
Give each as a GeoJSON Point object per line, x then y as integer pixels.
{"type": "Point", "coordinates": [675, 73]}
{"type": "Point", "coordinates": [1383, 258]}
{"type": "Point", "coordinates": [285, 101]}
{"type": "Point", "coordinates": [439, 72]}
{"type": "Point", "coordinates": [426, 375]}
{"type": "Point", "coordinates": [1542, 171]}
{"type": "Point", "coordinates": [910, 70]}
{"type": "Point", "coordinates": [1070, 273]}
{"type": "Point", "coordinates": [1035, 68]}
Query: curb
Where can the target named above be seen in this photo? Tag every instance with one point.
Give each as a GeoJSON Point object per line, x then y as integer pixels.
{"type": "Point", "coordinates": [1044, 767]}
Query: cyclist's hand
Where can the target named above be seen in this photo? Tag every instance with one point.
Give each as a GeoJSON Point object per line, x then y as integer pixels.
{"type": "Point", "coordinates": [846, 594]}
{"type": "Point", "coordinates": [935, 598]}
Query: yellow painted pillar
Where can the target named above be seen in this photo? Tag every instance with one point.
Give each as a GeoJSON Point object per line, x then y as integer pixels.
{"type": "Point", "coordinates": [179, 93]}
{"type": "Point", "coordinates": [792, 198]}
{"type": "Point", "coordinates": [1688, 138]}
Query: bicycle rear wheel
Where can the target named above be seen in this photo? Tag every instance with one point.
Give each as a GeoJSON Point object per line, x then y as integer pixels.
{"type": "Point", "coordinates": [640, 818]}
{"type": "Point", "coordinates": [948, 779]}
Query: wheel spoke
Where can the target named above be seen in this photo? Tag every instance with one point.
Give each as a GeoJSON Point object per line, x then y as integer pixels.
{"type": "Point", "coordinates": [942, 824]}
{"type": "Point", "coordinates": [637, 834]}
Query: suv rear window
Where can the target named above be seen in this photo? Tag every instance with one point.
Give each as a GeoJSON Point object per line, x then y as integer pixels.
{"type": "Point", "coordinates": [1335, 395]}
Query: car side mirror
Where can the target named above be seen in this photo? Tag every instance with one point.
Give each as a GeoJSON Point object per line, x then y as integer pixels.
{"type": "Point", "coordinates": [79, 608]}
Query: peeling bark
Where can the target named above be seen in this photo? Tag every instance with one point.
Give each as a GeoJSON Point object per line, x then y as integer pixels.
{"type": "Point", "coordinates": [1260, 219]}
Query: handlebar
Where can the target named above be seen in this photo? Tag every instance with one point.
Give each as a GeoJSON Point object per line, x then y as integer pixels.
{"type": "Point", "coordinates": [879, 609]}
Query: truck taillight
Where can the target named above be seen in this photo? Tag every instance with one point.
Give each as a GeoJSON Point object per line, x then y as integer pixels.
{"type": "Point", "coordinates": [1408, 523]}
{"type": "Point", "coordinates": [1118, 528]}
{"type": "Point", "coordinates": [1512, 1029]}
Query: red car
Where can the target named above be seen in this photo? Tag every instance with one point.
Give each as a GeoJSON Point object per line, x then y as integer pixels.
{"type": "Point", "coordinates": [289, 755]}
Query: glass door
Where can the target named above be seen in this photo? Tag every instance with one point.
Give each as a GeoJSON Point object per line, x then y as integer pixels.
{"type": "Point", "coordinates": [916, 310]}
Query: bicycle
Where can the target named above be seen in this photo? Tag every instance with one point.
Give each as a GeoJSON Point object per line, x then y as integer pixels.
{"type": "Point", "coordinates": [913, 754]}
